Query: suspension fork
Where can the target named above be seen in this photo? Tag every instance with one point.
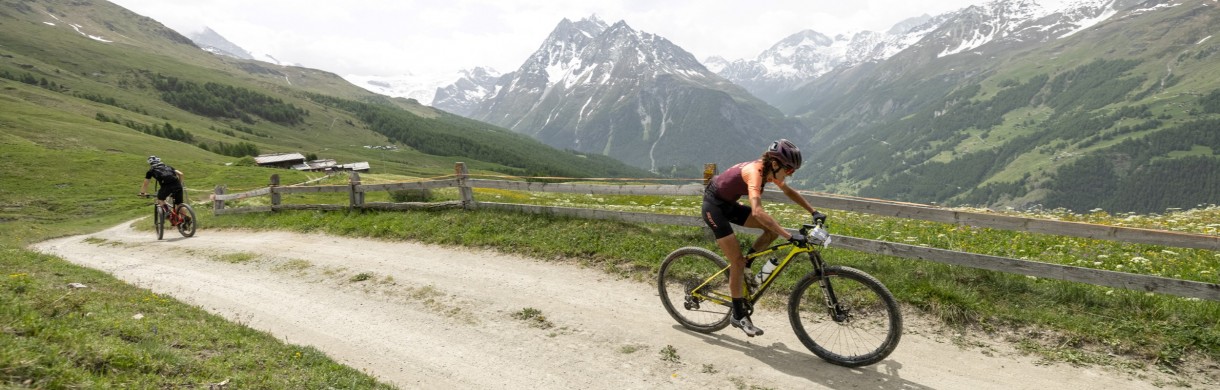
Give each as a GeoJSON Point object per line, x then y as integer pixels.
{"type": "Point", "coordinates": [832, 301]}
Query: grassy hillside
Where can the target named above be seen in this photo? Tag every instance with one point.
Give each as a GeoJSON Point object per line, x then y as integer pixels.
{"type": "Point", "coordinates": [126, 74]}
{"type": "Point", "coordinates": [1100, 119]}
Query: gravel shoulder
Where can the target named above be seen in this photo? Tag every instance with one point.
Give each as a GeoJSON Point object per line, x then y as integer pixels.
{"type": "Point", "coordinates": [440, 317]}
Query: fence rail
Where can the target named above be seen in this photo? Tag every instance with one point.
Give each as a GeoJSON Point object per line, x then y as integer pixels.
{"type": "Point", "coordinates": [465, 185]}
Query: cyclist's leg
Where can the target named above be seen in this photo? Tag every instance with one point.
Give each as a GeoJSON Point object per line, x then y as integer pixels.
{"type": "Point", "coordinates": [162, 193]}
{"type": "Point", "coordinates": [177, 193]}
{"type": "Point", "coordinates": [765, 239]}
{"type": "Point", "coordinates": [718, 216]}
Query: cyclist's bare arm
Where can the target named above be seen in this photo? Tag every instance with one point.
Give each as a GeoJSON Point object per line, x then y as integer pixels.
{"type": "Point", "coordinates": [754, 187]}
{"type": "Point", "coordinates": [796, 197]}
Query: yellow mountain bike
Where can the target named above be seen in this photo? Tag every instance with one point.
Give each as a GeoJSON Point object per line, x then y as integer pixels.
{"type": "Point", "coordinates": [844, 315]}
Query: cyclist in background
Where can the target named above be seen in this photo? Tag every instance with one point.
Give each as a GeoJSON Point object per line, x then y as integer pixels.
{"type": "Point", "coordinates": [170, 180]}
{"type": "Point", "coordinates": [720, 208]}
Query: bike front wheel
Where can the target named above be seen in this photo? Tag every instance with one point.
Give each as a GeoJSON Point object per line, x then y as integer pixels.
{"type": "Point", "coordinates": [846, 317]}
{"type": "Point", "coordinates": [684, 271]}
{"type": "Point", "coordinates": [159, 221]}
{"type": "Point", "coordinates": [187, 226]}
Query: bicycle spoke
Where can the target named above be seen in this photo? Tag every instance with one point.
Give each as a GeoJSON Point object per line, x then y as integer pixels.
{"type": "Point", "coordinates": [865, 327]}
{"type": "Point", "coordinates": [685, 270]}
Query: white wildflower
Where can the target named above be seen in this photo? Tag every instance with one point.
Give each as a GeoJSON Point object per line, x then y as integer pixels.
{"type": "Point", "coordinates": [1169, 252]}
{"type": "Point", "coordinates": [1103, 256]}
{"type": "Point", "coordinates": [1096, 263]}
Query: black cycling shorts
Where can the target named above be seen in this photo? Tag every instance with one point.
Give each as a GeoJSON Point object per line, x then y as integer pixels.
{"type": "Point", "coordinates": [719, 214]}
{"type": "Point", "coordinates": [176, 191]}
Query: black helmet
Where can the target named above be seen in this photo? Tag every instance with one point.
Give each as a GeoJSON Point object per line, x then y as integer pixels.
{"type": "Point", "coordinates": [154, 160]}
{"type": "Point", "coordinates": [786, 153]}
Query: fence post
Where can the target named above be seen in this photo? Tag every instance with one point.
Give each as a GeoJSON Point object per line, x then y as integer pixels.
{"type": "Point", "coordinates": [355, 198]}
{"type": "Point", "coordinates": [459, 169]}
{"type": "Point", "coordinates": [709, 172]}
{"type": "Point", "coordinates": [275, 196]}
{"type": "Point", "coordinates": [218, 204]}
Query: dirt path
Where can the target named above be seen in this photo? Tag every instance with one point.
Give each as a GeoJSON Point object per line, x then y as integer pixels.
{"type": "Point", "coordinates": [439, 317]}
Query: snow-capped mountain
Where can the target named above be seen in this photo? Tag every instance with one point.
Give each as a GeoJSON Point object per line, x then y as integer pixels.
{"type": "Point", "coordinates": [1021, 21]}
{"type": "Point", "coordinates": [214, 43]}
{"type": "Point", "coordinates": [422, 88]}
{"type": "Point", "coordinates": [465, 94]}
{"type": "Point", "coordinates": [807, 55]}
{"type": "Point", "coordinates": [631, 95]}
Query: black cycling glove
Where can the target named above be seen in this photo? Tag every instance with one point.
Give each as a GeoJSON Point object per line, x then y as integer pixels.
{"type": "Point", "coordinates": [798, 239]}
{"type": "Point", "coordinates": [819, 218]}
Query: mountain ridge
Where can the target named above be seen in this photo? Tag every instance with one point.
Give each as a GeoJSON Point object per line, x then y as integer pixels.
{"type": "Point", "coordinates": [635, 96]}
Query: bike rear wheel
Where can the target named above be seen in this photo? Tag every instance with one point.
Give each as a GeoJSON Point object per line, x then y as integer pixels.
{"type": "Point", "coordinates": [159, 221]}
{"type": "Point", "coordinates": [863, 329]}
{"type": "Point", "coordinates": [684, 270]}
{"type": "Point", "coordinates": [187, 225]}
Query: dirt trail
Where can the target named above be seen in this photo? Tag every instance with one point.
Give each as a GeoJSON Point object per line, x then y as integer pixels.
{"type": "Point", "coordinates": [441, 317]}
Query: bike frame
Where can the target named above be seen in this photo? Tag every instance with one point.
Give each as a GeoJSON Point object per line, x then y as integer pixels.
{"type": "Point", "coordinates": [165, 205]}
{"type": "Point", "coordinates": [815, 258]}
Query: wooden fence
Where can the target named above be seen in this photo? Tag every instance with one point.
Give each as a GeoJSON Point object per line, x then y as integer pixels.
{"type": "Point", "coordinates": [465, 185]}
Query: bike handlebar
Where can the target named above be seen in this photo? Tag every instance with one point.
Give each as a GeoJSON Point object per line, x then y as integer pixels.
{"type": "Point", "coordinates": [816, 233]}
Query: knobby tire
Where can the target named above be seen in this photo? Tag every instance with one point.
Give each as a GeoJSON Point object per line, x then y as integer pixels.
{"type": "Point", "coordinates": [187, 225]}
{"type": "Point", "coordinates": [685, 269]}
{"type": "Point", "coordinates": [159, 220]}
{"type": "Point", "coordinates": [869, 332]}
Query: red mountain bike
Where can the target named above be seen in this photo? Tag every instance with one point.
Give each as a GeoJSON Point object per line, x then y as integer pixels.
{"type": "Point", "coordinates": [184, 220]}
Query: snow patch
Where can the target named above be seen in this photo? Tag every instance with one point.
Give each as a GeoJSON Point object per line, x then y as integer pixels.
{"type": "Point", "coordinates": [1085, 24]}
{"type": "Point", "coordinates": [98, 38]}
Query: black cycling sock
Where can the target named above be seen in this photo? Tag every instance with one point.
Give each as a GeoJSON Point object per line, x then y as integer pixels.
{"type": "Point", "coordinates": [739, 308]}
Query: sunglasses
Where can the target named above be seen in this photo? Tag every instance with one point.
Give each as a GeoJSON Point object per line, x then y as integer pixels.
{"type": "Point", "coordinates": [789, 170]}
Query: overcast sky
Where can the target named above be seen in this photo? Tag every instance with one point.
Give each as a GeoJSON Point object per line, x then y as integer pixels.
{"type": "Point", "coordinates": [399, 37]}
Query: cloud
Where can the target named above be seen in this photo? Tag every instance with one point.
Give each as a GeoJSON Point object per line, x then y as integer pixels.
{"type": "Point", "coordinates": [392, 37]}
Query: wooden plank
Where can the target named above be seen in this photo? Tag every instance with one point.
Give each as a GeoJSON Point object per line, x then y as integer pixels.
{"type": "Point", "coordinates": [682, 220]}
{"type": "Point", "coordinates": [297, 207]}
{"type": "Point", "coordinates": [312, 189]}
{"type": "Point", "coordinates": [420, 185]}
{"type": "Point", "coordinates": [244, 210]}
{"type": "Point", "coordinates": [243, 195]}
{"type": "Point", "coordinates": [1156, 284]}
{"type": "Point", "coordinates": [412, 205]}
{"type": "Point", "coordinates": [608, 189]}
{"type": "Point", "coordinates": [1004, 222]}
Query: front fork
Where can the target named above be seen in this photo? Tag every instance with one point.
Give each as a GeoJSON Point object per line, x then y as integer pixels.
{"type": "Point", "coordinates": [836, 310]}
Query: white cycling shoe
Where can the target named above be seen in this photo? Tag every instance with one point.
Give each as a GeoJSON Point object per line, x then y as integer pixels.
{"type": "Point", "coordinates": [746, 326]}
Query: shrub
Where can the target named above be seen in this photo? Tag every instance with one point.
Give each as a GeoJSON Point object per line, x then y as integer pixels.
{"type": "Point", "coordinates": [246, 161]}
